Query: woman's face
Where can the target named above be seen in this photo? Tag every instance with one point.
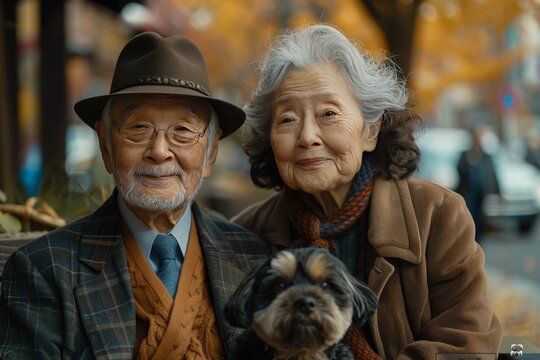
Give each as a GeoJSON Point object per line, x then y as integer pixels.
{"type": "Point", "coordinates": [318, 134]}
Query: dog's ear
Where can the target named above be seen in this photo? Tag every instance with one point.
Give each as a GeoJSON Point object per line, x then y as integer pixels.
{"type": "Point", "coordinates": [238, 307]}
{"type": "Point", "coordinates": [364, 299]}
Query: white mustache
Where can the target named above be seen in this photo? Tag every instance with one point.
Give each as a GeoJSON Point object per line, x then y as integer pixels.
{"type": "Point", "coordinates": [163, 170]}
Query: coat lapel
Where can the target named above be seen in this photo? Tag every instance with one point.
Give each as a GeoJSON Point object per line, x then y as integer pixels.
{"type": "Point", "coordinates": [391, 211]}
{"type": "Point", "coordinates": [378, 277]}
{"type": "Point", "coordinates": [104, 297]}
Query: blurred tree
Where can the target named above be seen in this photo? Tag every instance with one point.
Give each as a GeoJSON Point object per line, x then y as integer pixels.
{"type": "Point", "coordinates": [235, 34]}
{"type": "Point", "coordinates": [397, 20]}
{"type": "Point", "coordinates": [53, 99]}
{"type": "Point", "coordinates": [435, 42]}
{"type": "Point", "coordinates": [9, 141]}
{"type": "Point", "coordinates": [445, 41]}
{"type": "Point", "coordinates": [464, 41]}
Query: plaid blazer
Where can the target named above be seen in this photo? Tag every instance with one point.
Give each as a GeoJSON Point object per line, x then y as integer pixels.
{"type": "Point", "coordinates": [68, 294]}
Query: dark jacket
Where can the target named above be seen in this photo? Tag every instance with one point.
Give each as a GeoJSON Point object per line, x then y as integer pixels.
{"type": "Point", "coordinates": [68, 294]}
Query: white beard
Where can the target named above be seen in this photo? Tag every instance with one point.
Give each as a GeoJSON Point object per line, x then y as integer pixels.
{"type": "Point", "coordinates": [135, 195]}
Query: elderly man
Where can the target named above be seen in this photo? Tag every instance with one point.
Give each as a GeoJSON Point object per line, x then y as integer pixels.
{"type": "Point", "coordinates": [148, 273]}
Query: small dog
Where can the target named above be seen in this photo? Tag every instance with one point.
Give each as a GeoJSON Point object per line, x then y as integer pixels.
{"type": "Point", "coordinates": [298, 305]}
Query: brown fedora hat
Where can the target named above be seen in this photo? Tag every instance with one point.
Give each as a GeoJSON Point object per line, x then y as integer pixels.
{"type": "Point", "coordinates": [151, 64]}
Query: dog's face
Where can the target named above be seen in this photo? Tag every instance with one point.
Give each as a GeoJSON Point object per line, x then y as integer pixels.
{"type": "Point", "coordinates": [299, 300]}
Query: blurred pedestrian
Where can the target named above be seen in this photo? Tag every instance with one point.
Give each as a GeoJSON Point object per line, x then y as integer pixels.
{"type": "Point", "coordinates": [477, 178]}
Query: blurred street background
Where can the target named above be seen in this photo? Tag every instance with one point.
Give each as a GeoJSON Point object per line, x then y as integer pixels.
{"type": "Point", "coordinates": [473, 65]}
{"type": "Point", "coordinates": [512, 262]}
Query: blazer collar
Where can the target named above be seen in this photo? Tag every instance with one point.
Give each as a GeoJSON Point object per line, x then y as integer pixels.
{"type": "Point", "coordinates": [102, 235]}
{"type": "Point", "coordinates": [210, 234]}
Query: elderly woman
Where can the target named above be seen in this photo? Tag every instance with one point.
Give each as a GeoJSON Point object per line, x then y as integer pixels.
{"type": "Point", "coordinates": [331, 129]}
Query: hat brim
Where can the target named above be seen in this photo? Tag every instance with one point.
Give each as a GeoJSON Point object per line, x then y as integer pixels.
{"type": "Point", "coordinates": [230, 116]}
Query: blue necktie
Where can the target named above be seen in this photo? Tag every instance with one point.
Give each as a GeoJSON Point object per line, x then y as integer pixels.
{"type": "Point", "coordinates": [165, 252]}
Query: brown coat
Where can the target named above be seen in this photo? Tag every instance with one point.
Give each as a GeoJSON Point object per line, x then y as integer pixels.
{"type": "Point", "coordinates": [429, 273]}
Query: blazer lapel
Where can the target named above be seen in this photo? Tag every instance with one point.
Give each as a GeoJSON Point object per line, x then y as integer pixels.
{"type": "Point", "coordinates": [104, 297]}
{"type": "Point", "coordinates": [229, 256]}
{"type": "Point", "coordinates": [221, 264]}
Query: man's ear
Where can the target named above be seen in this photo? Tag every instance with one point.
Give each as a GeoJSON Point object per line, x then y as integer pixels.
{"type": "Point", "coordinates": [105, 154]}
{"type": "Point", "coordinates": [213, 154]}
{"type": "Point", "coordinates": [371, 134]}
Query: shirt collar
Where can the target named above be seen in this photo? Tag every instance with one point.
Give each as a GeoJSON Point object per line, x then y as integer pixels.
{"type": "Point", "coordinates": [144, 236]}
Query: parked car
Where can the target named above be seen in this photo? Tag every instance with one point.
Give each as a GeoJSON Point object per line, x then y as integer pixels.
{"type": "Point", "coordinates": [519, 182]}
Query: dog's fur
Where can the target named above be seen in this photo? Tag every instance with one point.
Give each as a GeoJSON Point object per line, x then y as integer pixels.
{"type": "Point", "coordinates": [298, 305]}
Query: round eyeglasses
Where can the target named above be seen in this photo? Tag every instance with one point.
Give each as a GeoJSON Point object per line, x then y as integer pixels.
{"type": "Point", "coordinates": [180, 134]}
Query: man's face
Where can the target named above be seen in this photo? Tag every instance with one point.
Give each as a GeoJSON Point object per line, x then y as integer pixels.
{"type": "Point", "coordinates": [157, 175]}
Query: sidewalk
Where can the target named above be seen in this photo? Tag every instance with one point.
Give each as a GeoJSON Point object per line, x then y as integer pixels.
{"type": "Point", "coordinates": [516, 300]}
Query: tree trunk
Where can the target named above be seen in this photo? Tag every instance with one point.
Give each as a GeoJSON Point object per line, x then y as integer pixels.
{"type": "Point", "coordinates": [9, 134]}
{"type": "Point", "coordinates": [53, 96]}
{"type": "Point", "coordinates": [397, 19]}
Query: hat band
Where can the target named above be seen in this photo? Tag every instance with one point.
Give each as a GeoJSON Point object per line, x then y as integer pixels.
{"type": "Point", "coordinates": [169, 81]}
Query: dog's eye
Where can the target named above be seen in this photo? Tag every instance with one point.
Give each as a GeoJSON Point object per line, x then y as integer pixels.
{"type": "Point", "coordinates": [325, 285]}
{"type": "Point", "coordinates": [279, 287]}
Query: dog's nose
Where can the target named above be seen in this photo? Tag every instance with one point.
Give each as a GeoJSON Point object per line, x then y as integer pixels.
{"type": "Point", "coordinates": [306, 304]}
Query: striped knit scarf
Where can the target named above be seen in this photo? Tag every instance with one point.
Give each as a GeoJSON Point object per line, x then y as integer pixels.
{"type": "Point", "coordinates": [308, 217]}
{"type": "Point", "coordinates": [319, 231]}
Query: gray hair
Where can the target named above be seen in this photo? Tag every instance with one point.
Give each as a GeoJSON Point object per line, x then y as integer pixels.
{"type": "Point", "coordinates": [376, 86]}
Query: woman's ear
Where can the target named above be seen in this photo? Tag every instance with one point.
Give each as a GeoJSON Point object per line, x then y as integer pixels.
{"type": "Point", "coordinates": [371, 134]}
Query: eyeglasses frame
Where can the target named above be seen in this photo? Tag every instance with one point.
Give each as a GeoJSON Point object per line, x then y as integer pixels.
{"type": "Point", "coordinates": [199, 134]}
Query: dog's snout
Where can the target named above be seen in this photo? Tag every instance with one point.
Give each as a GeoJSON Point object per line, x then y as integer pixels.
{"type": "Point", "coordinates": [306, 304]}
